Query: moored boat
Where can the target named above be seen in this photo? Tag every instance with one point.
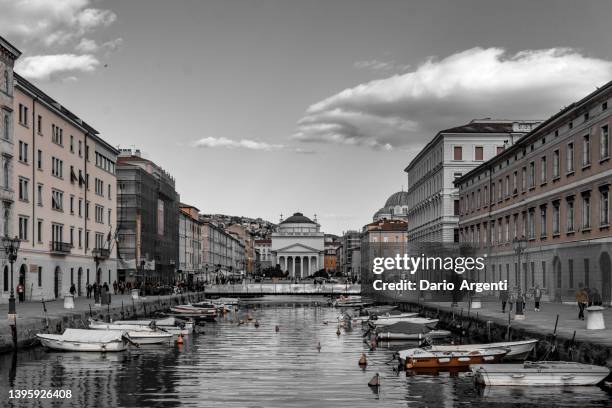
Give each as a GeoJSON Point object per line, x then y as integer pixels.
{"type": "Point", "coordinates": [85, 340]}
{"type": "Point", "coordinates": [518, 350]}
{"type": "Point", "coordinates": [433, 334]}
{"type": "Point", "coordinates": [169, 325]}
{"type": "Point", "coordinates": [540, 373]}
{"type": "Point", "coordinates": [422, 358]}
{"type": "Point", "coordinates": [422, 321]}
{"type": "Point", "coordinates": [137, 333]}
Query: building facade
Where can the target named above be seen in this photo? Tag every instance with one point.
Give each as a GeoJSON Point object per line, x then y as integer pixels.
{"type": "Point", "coordinates": [298, 246]}
{"type": "Point", "coordinates": [350, 241]}
{"type": "Point", "coordinates": [190, 244]}
{"type": "Point", "coordinates": [433, 200]}
{"type": "Point", "coordinates": [223, 253]}
{"type": "Point", "coordinates": [546, 200]}
{"type": "Point", "coordinates": [332, 250]}
{"type": "Point", "coordinates": [264, 248]}
{"type": "Point", "coordinates": [65, 206]}
{"type": "Point", "coordinates": [245, 237]}
{"type": "Point", "coordinates": [148, 214]}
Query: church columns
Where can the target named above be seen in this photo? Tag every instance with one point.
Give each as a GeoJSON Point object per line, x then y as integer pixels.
{"type": "Point", "coordinates": [293, 267]}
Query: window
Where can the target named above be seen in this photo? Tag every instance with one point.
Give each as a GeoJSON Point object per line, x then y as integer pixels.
{"type": "Point", "coordinates": [80, 207]}
{"type": "Point", "coordinates": [57, 200]}
{"type": "Point", "coordinates": [87, 209]}
{"type": "Point", "coordinates": [507, 186]}
{"type": "Point", "coordinates": [604, 143]}
{"type": "Point", "coordinates": [99, 186]}
{"type": "Point", "coordinates": [39, 231]}
{"type": "Point", "coordinates": [109, 193]}
{"type": "Point", "coordinates": [71, 204]}
{"type": "Point", "coordinates": [23, 152]}
{"type": "Point", "coordinates": [556, 170]}
{"type": "Point", "coordinates": [39, 200]}
{"type": "Point", "coordinates": [5, 171]}
{"type": "Point", "coordinates": [456, 176]}
{"type": "Point", "coordinates": [23, 188]}
{"type": "Point", "coordinates": [531, 174]}
{"type": "Point", "coordinates": [457, 153]}
{"type": "Point", "coordinates": [23, 228]}
{"type": "Point", "coordinates": [23, 115]}
{"type": "Point", "coordinates": [80, 238]}
{"type": "Point", "coordinates": [71, 144]}
{"type": "Point", "coordinates": [99, 214]}
{"type": "Point", "coordinates": [57, 167]}
{"type": "Point", "coordinates": [80, 149]}
{"type": "Point", "coordinates": [456, 207]}
{"type": "Point", "coordinates": [57, 233]}
{"type": "Point", "coordinates": [570, 214]}
{"type": "Point", "coordinates": [604, 204]}
{"type": "Point", "coordinates": [110, 213]}
{"type": "Point", "coordinates": [500, 149]}
{"type": "Point", "coordinates": [72, 236]}
{"type": "Point", "coordinates": [586, 150]}
{"type": "Point", "coordinates": [7, 129]}
{"type": "Point", "coordinates": [531, 224]}
{"type": "Point", "coordinates": [543, 170]}
{"type": "Point", "coordinates": [570, 157]}
{"type": "Point", "coordinates": [555, 218]}
{"type": "Point", "coordinates": [100, 240]}
{"type": "Point", "coordinates": [543, 229]}
{"type": "Point", "coordinates": [524, 179]}
{"type": "Point", "coordinates": [39, 160]}
{"type": "Point", "coordinates": [514, 182]}
{"type": "Point", "coordinates": [586, 211]}
{"type": "Point", "coordinates": [57, 135]}
{"type": "Point", "coordinates": [478, 153]}
{"type": "Point", "coordinates": [7, 82]}
{"type": "Point", "coordinates": [39, 125]}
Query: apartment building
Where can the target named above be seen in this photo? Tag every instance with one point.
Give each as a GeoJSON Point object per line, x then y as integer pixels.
{"type": "Point", "coordinates": [546, 200]}
{"type": "Point", "coordinates": [190, 244]}
{"type": "Point", "coordinates": [433, 200]}
{"type": "Point", "coordinates": [65, 201]}
{"type": "Point", "coordinates": [148, 235]}
{"type": "Point", "coordinates": [264, 248]}
{"type": "Point", "coordinates": [223, 253]}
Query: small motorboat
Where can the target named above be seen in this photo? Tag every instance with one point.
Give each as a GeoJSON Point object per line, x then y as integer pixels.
{"type": "Point", "coordinates": [85, 340]}
{"type": "Point", "coordinates": [137, 333]}
{"type": "Point", "coordinates": [169, 325]}
{"type": "Point", "coordinates": [349, 301]}
{"type": "Point", "coordinates": [422, 321]}
{"type": "Point", "coordinates": [200, 309]}
{"type": "Point", "coordinates": [519, 350]}
{"type": "Point", "coordinates": [433, 334]}
{"type": "Point", "coordinates": [540, 373]}
{"type": "Point", "coordinates": [388, 316]}
{"type": "Point", "coordinates": [423, 358]}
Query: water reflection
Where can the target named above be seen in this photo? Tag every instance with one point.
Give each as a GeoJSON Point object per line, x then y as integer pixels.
{"type": "Point", "coordinates": [240, 365]}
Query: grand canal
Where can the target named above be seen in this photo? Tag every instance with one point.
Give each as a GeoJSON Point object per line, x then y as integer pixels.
{"type": "Point", "coordinates": [231, 365]}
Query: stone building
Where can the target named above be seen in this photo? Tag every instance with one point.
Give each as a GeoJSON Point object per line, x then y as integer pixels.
{"type": "Point", "coordinates": [546, 200]}
{"type": "Point", "coordinates": [190, 244]}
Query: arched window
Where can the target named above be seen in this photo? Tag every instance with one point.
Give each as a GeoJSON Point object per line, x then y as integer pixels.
{"type": "Point", "coordinates": [6, 173]}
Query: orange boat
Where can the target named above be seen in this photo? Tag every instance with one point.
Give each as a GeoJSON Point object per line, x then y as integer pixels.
{"type": "Point", "coordinates": [421, 358]}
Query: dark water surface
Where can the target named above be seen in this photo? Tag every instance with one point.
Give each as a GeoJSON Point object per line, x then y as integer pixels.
{"type": "Point", "coordinates": [245, 366]}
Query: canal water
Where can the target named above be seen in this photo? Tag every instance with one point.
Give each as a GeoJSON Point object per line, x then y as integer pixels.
{"type": "Point", "coordinates": [232, 365]}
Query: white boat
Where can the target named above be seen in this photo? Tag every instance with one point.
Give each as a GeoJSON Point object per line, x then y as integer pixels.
{"type": "Point", "coordinates": [138, 333]}
{"type": "Point", "coordinates": [228, 301]}
{"type": "Point", "coordinates": [85, 340]}
{"type": "Point", "coordinates": [201, 309]}
{"type": "Point", "coordinates": [348, 301]}
{"type": "Point", "coordinates": [169, 325]}
{"type": "Point", "coordinates": [412, 320]}
{"type": "Point", "coordinates": [434, 334]}
{"type": "Point", "coordinates": [393, 316]}
{"type": "Point", "coordinates": [519, 350]}
{"type": "Point", "coordinates": [422, 358]}
{"type": "Point", "coordinates": [541, 373]}
{"type": "Point", "coordinates": [97, 325]}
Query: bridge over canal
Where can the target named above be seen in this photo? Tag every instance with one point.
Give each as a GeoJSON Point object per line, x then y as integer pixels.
{"type": "Point", "coordinates": [262, 289]}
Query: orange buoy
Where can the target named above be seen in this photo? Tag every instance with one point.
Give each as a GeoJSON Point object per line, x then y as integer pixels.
{"type": "Point", "coordinates": [363, 360]}
{"type": "Point", "coordinates": [179, 340]}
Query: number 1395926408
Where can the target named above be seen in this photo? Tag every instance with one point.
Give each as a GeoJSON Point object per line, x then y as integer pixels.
{"type": "Point", "coordinates": [40, 394]}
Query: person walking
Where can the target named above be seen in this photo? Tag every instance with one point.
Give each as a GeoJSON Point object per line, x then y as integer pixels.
{"type": "Point", "coordinates": [96, 293]}
{"type": "Point", "coordinates": [72, 289]}
{"type": "Point", "coordinates": [511, 299]}
{"type": "Point", "coordinates": [115, 287]}
{"type": "Point", "coordinates": [503, 295]}
{"type": "Point", "coordinates": [537, 296]}
{"type": "Point", "coordinates": [582, 299]}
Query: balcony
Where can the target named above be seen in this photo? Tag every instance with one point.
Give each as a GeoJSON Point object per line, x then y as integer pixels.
{"type": "Point", "coordinates": [60, 248]}
{"type": "Point", "coordinates": [100, 253]}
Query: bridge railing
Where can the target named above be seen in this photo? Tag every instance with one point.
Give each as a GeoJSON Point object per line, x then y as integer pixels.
{"type": "Point", "coordinates": [284, 289]}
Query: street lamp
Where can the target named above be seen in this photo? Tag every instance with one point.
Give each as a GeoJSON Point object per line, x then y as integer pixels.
{"type": "Point", "coordinates": [11, 247]}
{"type": "Point", "coordinates": [519, 245]}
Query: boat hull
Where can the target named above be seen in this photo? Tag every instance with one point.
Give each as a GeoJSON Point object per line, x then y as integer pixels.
{"type": "Point", "coordinates": [518, 350]}
{"type": "Point", "coordinates": [66, 345]}
{"type": "Point", "coordinates": [555, 374]}
{"type": "Point", "coordinates": [450, 362]}
{"type": "Point", "coordinates": [434, 334]}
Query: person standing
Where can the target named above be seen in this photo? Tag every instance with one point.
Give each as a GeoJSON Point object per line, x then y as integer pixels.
{"type": "Point", "coordinates": [96, 293]}
{"type": "Point", "coordinates": [537, 296]}
{"type": "Point", "coordinates": [72, 289]}
{"type": "Point", "coordinates": [582, 299]}
{"type": "Point", "coordinates": [115, 287]}
{"type": "Point", "coordinates": [503, 295]}
{"type": "Point", "coordinates": [596, 297]}
{"type": "Point", "coordinates": [20, 292]}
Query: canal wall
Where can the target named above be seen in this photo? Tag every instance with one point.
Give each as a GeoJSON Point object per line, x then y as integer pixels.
{"type": "Point", "coordinates": [552, 345]}
{"type": "Point", "coordinates": [28, 326]}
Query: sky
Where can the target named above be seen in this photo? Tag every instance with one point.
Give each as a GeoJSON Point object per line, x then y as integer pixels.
{"type": "Point", "coordinates": [261, 108]}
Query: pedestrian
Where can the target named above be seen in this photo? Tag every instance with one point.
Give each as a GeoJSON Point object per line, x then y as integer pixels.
{"type": "Point", "coordinates": [511, 299]}
{"type": "Point", "coordinates": [96, 293]}
{"type": "Point", "coordinates": [596, 298]}
{"type": "Point", "coordinates": [537, 296]}
{"type": "Point", "coordinates": [503, 295]}
{"type": "Point", "coordinates": [582, 299]}
{"type": "Point", "coordinates": [115, 287]}
{"type": "Point", "coordinates": [72, 289]}
{"type": "Point", "coordinates": [21, 292]}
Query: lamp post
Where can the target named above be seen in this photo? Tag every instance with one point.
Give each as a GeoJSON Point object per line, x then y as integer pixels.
{"type": "Point", "coordinates": [519, 245]}
{"type": "Point", "coordinates": [11, 247]}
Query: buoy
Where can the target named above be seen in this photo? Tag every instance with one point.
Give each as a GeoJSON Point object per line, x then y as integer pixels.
{"type": "Point", "coordinates": [375, 381]}
{"type": "Point", "coordinates": [256, 323]}
{"type": "Point", "coordinates": [319, 347]}
{"type": "Point", "coordinates": [363, 360]}
{"type": "Point", "coordinates": [277, 329]}
{"type": "Point", "coordinates": [338, 331]}
{"type": "Point", "coordinates": [179, 340]}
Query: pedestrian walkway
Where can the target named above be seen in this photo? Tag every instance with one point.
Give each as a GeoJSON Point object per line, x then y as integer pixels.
{"type": "Point", "coordinates": [542, 322]}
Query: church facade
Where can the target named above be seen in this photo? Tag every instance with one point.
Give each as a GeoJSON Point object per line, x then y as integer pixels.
{"type": "Point", "coordinates": [298, 246]}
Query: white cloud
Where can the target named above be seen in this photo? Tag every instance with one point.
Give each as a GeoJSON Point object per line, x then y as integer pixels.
{"type": "Point", "coordinates": [212, 142]}
{"type": "Point", "coordinates": [406, 110]}
{"type": "Point", "coordinates": [49, 67]}
{"type": "Point", "coordinates": [51, 22]}
{"type": "Point", "coordinates": [377, 65]}
{"type": "Point", "coordinates": [87, 46]}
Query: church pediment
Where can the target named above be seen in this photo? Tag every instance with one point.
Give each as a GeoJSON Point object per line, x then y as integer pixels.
{"type": "Point", "coordinates": [297, 248]}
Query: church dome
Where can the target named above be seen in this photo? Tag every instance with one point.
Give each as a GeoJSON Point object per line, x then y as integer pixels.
{"type": "Point", "coordinates": [298, 218]}
{"type": "Point", "coordinates": [400, 198]}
